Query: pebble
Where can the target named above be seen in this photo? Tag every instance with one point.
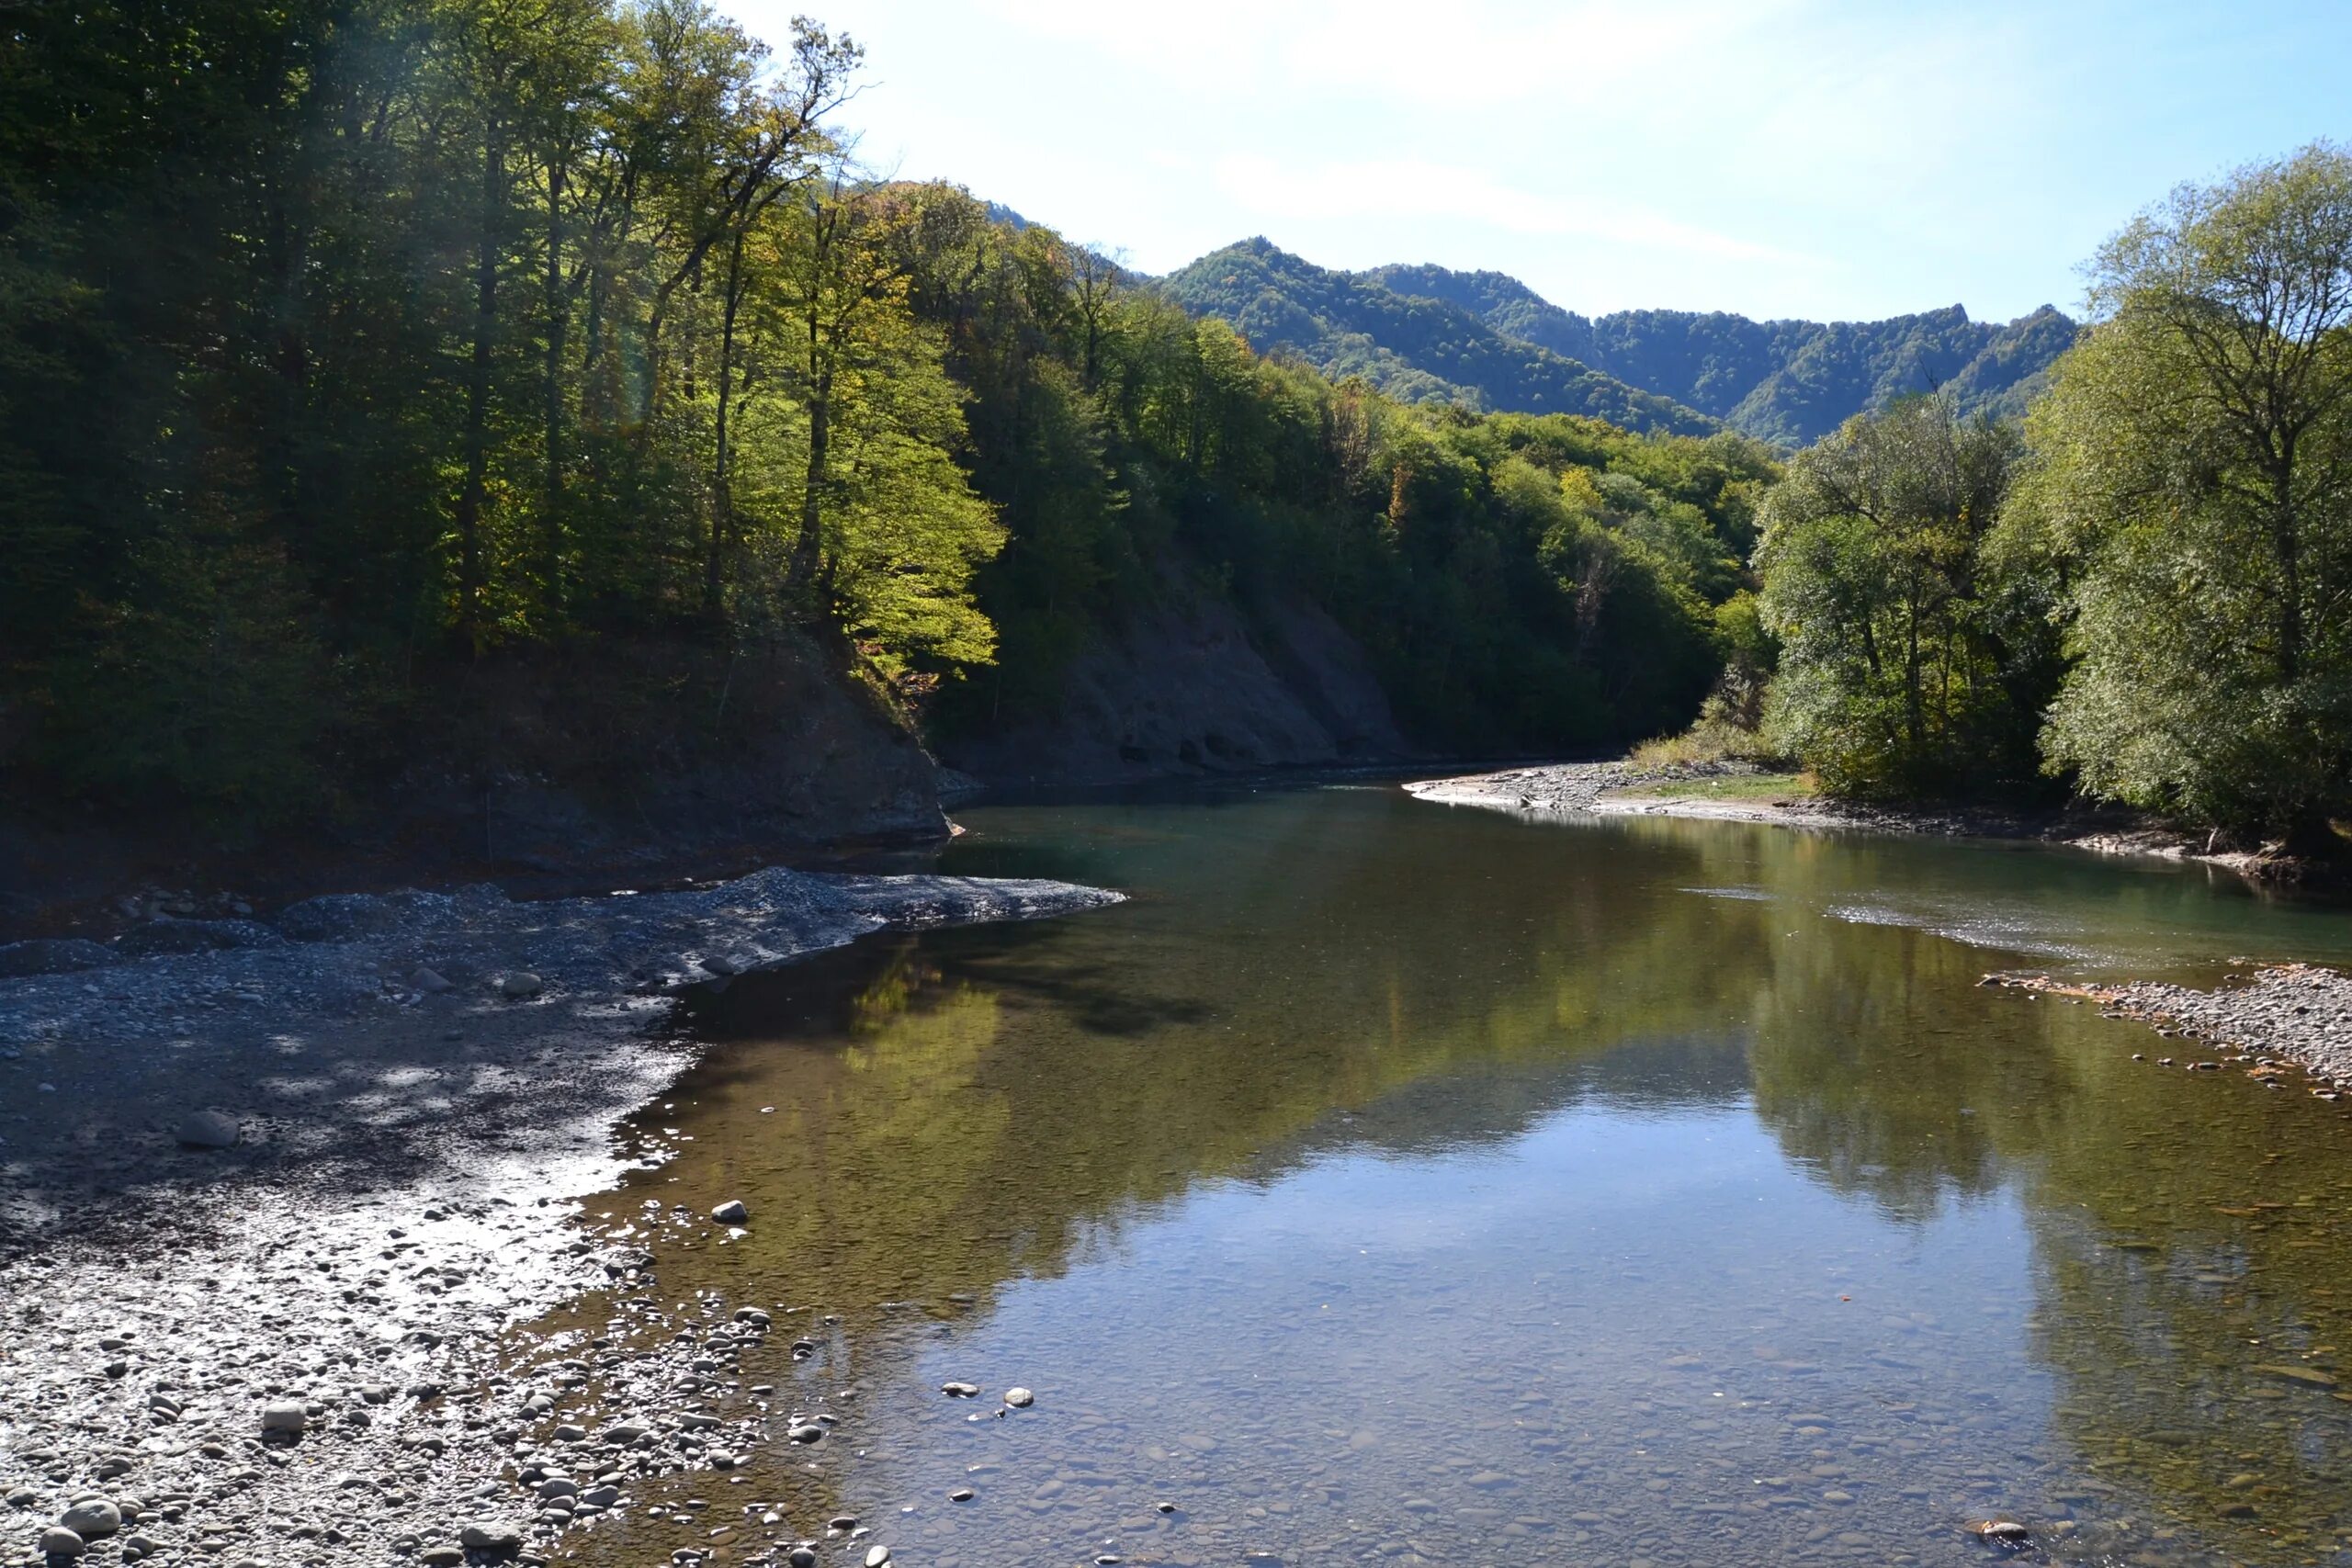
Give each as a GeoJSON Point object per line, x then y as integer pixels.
{"type": "Point", "coordinates": [1020, 1398]}
{"type": "Point", "coordinates": [878, 1556]}
{"type": "Point", "coordinates": [285, 1416]}
{"type": "Point", "coordinates": [731, 1212]}
{"type": "Point", "coordinates": [520, 984]}
{"type": "Point", "coordinates": [207, 1129]}
{"type": "Point", "coordinates": [961, 1495]}
{"type": "Point", "coordinates": [58, 1541]}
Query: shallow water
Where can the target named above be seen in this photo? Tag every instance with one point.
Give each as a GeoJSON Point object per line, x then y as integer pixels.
{"type": "Point", "coordinates": [1387, 1182]}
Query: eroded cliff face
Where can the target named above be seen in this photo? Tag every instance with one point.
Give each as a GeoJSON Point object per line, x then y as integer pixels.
{"type": "Point", "coordinates": [545, 771]}
{"type": "Point", "coordinates": [1192, 685]}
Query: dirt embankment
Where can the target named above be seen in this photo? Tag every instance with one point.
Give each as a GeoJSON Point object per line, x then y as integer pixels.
{"type": "Point", "coordinates": [268, 1203]}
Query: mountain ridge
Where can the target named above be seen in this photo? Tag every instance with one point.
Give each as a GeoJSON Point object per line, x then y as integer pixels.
{"type": "Point", "coordinates": [1487, 340]}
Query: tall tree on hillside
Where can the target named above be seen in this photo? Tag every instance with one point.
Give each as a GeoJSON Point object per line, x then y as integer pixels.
{"type": "Point", "coordinates": [2196, 459]}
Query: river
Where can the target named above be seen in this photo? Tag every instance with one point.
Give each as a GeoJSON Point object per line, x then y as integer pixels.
{"type": "Point", "coordinates": [1392, 1183]}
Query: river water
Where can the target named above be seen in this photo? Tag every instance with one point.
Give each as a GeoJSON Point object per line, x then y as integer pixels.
{"type": "Point", "coordinates": [1394, 1183]}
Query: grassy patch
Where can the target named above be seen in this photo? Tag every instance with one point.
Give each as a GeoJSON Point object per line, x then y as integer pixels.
{"type": "Point", "coordinates": [1734, 786]}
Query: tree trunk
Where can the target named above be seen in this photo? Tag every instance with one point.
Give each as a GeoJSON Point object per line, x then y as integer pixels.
{"type": "Point", "coordinates": [722, 495]}
{"type": "Point", "coordinates": [808, 548]}
{"type": "Point", "coordinates": [559, 320]}
{"type": "Point", "coordinates": [476, 445]}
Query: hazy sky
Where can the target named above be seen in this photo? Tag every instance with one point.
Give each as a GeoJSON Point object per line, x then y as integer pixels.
{"type": "Point", "coordinates": [1773, 157]}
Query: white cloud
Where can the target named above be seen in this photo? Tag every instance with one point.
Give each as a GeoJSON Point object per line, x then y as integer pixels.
{"type": "Point", "coordinates": [1420, 187]}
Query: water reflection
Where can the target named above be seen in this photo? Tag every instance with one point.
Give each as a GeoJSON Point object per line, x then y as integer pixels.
{"type": "Point", "coordinates": [1390, 1183]}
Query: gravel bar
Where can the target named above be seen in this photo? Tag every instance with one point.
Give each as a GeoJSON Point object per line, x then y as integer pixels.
{"type": "Point", "coordinates": [272, 1195]}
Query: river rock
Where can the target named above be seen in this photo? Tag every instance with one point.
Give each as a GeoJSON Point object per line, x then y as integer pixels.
{"type": "Point", "coordinates": [169, 935]}
{"type": "Point", "coordinates": [877, 1556]}
{"type": "Point", "coordinates": [491, 1535]}
{"type": "Point", "coordinates": [960, 1390]}
{"type": "Point", "coordinates": [207, 1129]}
{"type": "Point", "coordinates": [284, 1416]}
{"type": "Point", "coordinates": [343, 917]}
{"type": "Point", "coordinates": [52, 956]}
{"type": "Point", "coordinates": [731, 1212]}
{"type": "Point", "coordinates": [58, 1541]}
{"type": "Point", "coordinates": [1020, 1398]}
{"type": "Point", "coordinates": [91, 1517]}
{"type": "Point", "coordinates": [432, 981]}
{"type": "Point", "coordinates": [520, 985]}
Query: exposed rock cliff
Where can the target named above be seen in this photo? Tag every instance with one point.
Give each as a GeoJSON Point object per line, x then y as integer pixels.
{"type": "Point", "coordinates": [1192, 685]}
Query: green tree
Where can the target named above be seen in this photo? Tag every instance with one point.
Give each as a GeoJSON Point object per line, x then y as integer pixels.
{"type": "Point", "coordinates": [2196, 466]}
{"type": "Point", "coordinates": [1891, 676]}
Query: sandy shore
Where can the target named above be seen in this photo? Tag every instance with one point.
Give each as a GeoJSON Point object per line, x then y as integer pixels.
{"type": "Point", "coordinates": [288, 1349]}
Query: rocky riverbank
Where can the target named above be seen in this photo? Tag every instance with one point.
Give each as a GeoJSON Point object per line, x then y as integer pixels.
{"type": "Point", "coordinates": [272, 1195]}
{"type": "Point", "coordinates": [1626, 788]}
{"type": "Point", "coordinates": [2286, 1026]}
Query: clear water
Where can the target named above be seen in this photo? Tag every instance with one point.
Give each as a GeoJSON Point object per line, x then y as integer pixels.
{"type": "Point", "coordinates": [1391, 1183]}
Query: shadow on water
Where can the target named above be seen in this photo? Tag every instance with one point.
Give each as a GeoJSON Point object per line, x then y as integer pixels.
{"type": "Point", "coordinates": [1387, 1182]}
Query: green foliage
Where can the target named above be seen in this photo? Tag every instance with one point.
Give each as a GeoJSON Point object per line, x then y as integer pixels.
{"type": "Point", "coordinates": [2194, 477]}
{"type": "Point", "coordinates": [1785, 381]}
{"type": "Point", "coordinates": [1414, 349]}
{"type": "Point", "coordinates": [1906, 666]}
{"type": "Point", "coordinates": [1504, 599]}
{"type": "Point", "coordinates": [347, 346]}
{"type": "Point", "coordinates": [345, 342]}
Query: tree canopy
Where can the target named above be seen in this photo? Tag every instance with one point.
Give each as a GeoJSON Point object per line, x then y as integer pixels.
{"type": "Point", "coordinates": [2197, 467]}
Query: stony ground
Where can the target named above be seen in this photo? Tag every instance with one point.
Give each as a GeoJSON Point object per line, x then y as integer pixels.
{"type": "Point", "coordinates": [272, 1193]}
{"type": "Point", "coordinates": [2289, 1025]}
{"type": "Point", "coordinates": [1624, 788]}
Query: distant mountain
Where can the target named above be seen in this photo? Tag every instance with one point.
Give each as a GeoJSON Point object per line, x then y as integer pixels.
{"type": "Point", "coordinates": [1488, 339]}
{"type": "Point", "coordinates": [1413, 346]}
{"type": "Point", "coordinates": [1788, 381]}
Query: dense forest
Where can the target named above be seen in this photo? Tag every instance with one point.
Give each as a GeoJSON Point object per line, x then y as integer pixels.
{"type": "Point", "coordinates": [363, 362]}
{"type": "Point", "coordinates": [2144, 592]}
{"type": "Point", "coordinates": [1486, 340]}
{"type": "Point", "coordinates": [363, 357]}
{"type": "Point", "coordinates": [1787, 381]}
{"type": "Point", "coordinates": [1415, 346]}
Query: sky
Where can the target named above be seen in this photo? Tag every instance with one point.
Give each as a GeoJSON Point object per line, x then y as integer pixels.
{"type": "Point", "coordinates": [1771, 157]}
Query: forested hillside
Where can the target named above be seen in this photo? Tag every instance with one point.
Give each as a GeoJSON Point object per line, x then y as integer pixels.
{"type": "Point", "coordinates": [2141, 592]}
{"type": "Point", "coordinates": [486, 396]}
{"type": "Point", "coordinates": [1420, 348]}
{"type": "Point", "coordinates": [1486, 340]}
{"type": "Point", "coordinates": [1784, 381]}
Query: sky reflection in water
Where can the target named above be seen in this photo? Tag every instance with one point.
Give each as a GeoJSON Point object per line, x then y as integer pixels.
{"type": "Point", "coordinates": [1392, 1183]}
